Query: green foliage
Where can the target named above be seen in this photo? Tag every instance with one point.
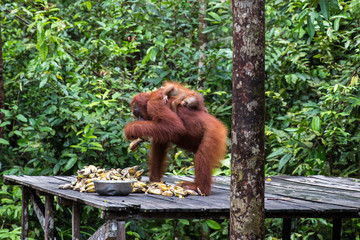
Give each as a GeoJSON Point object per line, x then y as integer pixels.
{"type": "Point", "coordinates": [71, 69]}
{"type": "Point", "coordinates": [68, 99]}
{"type": "Point", "coordinates": [181, 229]}
{"type": "Point", "coordinates": [312, 89]}
{"type": "Point", "coordinates": [10, 213]}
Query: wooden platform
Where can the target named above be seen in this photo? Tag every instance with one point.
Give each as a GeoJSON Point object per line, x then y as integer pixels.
{"type": "Point", "coordinates": [285, 197]}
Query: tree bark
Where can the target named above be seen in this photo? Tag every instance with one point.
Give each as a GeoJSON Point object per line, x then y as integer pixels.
{"type": "Point", "coordinates": [202, 42]}
{"type": "Point", "coordinates": [247, 214]}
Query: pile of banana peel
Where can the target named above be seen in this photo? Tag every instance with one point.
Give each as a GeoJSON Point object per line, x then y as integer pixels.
{"type": "Point", "coordinates": [85, 181]}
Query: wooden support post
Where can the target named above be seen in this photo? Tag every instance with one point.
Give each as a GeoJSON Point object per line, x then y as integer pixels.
{"type": "Point", "coordinates": [122, 232]}
{"type": "Point", "coordinates": [336, 233]}
{"type": "Point", "coordinates": [76, 207]}
{"type": "Point", "coordinates": [49, 217]}
{"type": "Point", "coordinates": [286, 229]}
{"type": "Point", "coordinates": [25, 213]}
{"type": "Point", "coordinates": [38, 207]}
{"type": "Point", "coordinates": [176, 233]}
{"type": "Point", "coordinates": [40, 211]}
{"type": "Point", "coordinates": [111, 230]}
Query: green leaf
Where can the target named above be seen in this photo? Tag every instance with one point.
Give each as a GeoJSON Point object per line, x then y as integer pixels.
{"type": "Point", "coordinates": [184, 221]}
{"type": "Point", "coordinates": [215, 16]}
{"type": "Point", "coordinates": [316, 123]}
{"type": "Point", "coordinates": [321, 153]}
{"type": "Point", "coordinates": [284, 160]}
{"type": "Point", "coordinates": [213, 224]}
{"type": "Point", "coordinates": [21, 118]}
{"type": "Point", "coordinates": [116, 95]}
{"type": "Point", "coordinates": [291, 129]}
{"type": "Point", "coordinates": [5, 112]}
{"type": "Point", "coordinates": [276, 153]}
{"type": "Point", "coordinates": [177, 155]}
{"type": "Point", "coordinates": [3, 141]}
{"type": "Point", "coordinates": [70, 163]}
{"type": "Point", "coordinates": [46, 129]}
{"type": "Point", "coordinates": [88, 5]}
{"type": "Point", "coordinates": [56, 168]}
{"type": "Point", "coordinates": [5, 123]}
{"type": "Point", "coordinates": [43, 51]}
{"type": "Point", "coordinates": [76, 146]}
{"type": "Point", "coordinates": [336, 24]}
{"type": "Point", "coordinates": [320, 23]}
{"type": "Point", "coordinates": [209, 29]}
{"type": "Point", "coordinates": [152, 54]}
{"type": "Point", "coordinates": [145, 59]}
{"type": "Point", "coordinates": [310, 27]}
{"type": "Point", "coordinates": [43, 81]}
{"type": "Point", "coordinates": [40, 36]}
{"type": "Point", "coordinates": [96, 144]}
{"type": "Point", "coordinates": [325, 8]}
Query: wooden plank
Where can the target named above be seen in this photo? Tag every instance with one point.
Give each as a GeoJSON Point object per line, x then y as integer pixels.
{"type": "Point", "coordinates": [49, 217]}
{"type": "Point", "coordinates": [39, 210]}
{"type": "Point", "coordinates": [172, 203]}
{"type": "Point", "coordinates": [312, 195]}
{"type": "Point", "coordinates": [76, 210]}
{"type": "Point", "coordinates": [283, 198]}
{"type": "Point", "coordinates": [277, 206]}
{"type": "Point", "coordinates": [286, 229]}
{"type": "Point", "coordinates": [122, 234]}
{"type": "Point", "coordinates": [335, 183]}
{"type": "Point", "coordinates": [25, 213]}
{"type": "Point", "coordinates": [111, 230]}
{"type": "Point", "coordinates": [50, 185]}
{"type": "Point", "coordinates": [217, 201]}
{"type": "Point", "coordinates": [315, 188]}
{"type": "Point", "coordinates": [351, 182]}
{"type": "Point", "coordinates": [166, 215]}
{"type": "Point", "coordinates": [164, 204]}
{"type": "Point", "coordinates": [336, 233]}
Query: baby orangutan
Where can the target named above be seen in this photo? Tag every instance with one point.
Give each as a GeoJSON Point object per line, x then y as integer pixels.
{"type": "Point", "coordinates": [177, 95]}
{"type": "Point", "coordinates": [182, 96]}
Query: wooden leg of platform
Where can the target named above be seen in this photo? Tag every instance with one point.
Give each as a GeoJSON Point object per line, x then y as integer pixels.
{"type": "Point", "coordinates": [286, 229]}
{"type": "Point", "coordinates": [122, 232]}
{"type": "Point", "coordinates": [336, 233]}
{"type": "Point", "coordinates": [42, 211]}
{"type": "Point", "coordinates": [25, 213]}
{"type": "Point", "coordinates": [49, 217]}
{"type": "Point", "coordinates": [111, 230]}
{"type": "Point", "coordinates": [76, 207]}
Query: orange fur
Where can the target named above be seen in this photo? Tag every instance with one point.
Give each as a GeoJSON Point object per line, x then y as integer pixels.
{"type": "Point", "coordinates": [180, 95]}
{"type": "Point", "coordinates": [191, 129]}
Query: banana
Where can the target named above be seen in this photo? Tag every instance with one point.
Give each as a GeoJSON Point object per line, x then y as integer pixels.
{"type": "Point", "coordinates": [167, 193]}
{"type": "Point", "coordinates": [91, 189]}
{"type": "Point", "coordinates": [90, 180]}
{"type": "Point", "coordinates": [92, 168]}
{"type": "Point", "coordinates": [191, 192]}
{"type": "Point", "coordinates": [154, 191]}
{"type": "Point", "coordinates": [135, 144]}
{"type": "Point", "coordinates": [89, 185]}
{"type": "Point", "coordinates": [88, 174]}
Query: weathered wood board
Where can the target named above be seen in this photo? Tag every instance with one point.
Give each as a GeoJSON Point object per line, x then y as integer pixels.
{"type": "Point", "coordinates": [285, 197]}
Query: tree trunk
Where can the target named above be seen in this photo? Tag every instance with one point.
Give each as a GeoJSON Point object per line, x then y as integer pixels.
{"type": "Point", "coordinates": [247, 214]}
{"type": "Point", "coordinates": [202, 42]}
{"type": "Point", "coordinates": [2, 94]}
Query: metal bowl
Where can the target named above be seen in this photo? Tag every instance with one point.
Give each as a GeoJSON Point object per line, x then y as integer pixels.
{"type": "Point", "coordinates": [113, 188]}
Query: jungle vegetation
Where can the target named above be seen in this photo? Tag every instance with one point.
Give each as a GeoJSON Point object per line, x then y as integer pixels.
{"type": "Point", "coordinates": [70, 69]}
